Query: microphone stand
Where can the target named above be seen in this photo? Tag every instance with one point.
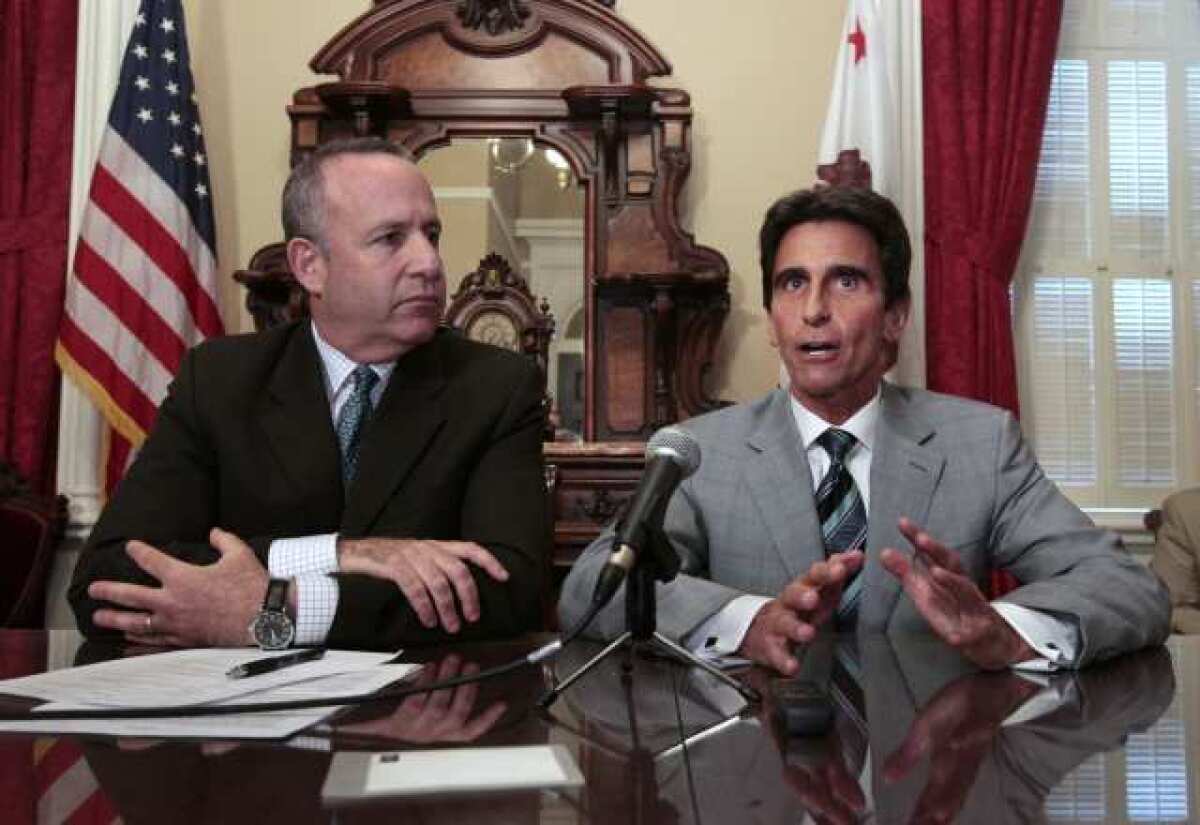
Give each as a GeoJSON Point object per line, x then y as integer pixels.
{"type": "Point", "coordinates": [658, 562]}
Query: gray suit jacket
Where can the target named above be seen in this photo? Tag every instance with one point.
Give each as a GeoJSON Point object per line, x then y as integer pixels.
{"type": "Point", "coordinates": [746, 522]}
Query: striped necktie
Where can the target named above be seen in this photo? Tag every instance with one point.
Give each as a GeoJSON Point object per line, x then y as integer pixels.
{"type": "Point", "coordinates": [843, 517]}
{"type": "Point", "coordinates": [352, 419]}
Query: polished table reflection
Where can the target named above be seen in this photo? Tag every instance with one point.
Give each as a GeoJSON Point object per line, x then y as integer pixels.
{"type": "Point", "coordinates": [661, 743]}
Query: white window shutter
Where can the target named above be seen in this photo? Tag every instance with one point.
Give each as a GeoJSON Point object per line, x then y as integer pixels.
{"type": "Point", "coordinates": [1143, 359]}
{"type": "Point", "coordinates": [1134, 22]}
{"type": "Point", "coordinates": [1138, 168]}
{"type": "Point", "coordinates": [1062, 199]}
{"type": "Point", "coordinates": [1192, 161]}
{"type": "Point", "coordinates": [1063, 378]}
{"type": "Point", "coordinates": [1081, 795]}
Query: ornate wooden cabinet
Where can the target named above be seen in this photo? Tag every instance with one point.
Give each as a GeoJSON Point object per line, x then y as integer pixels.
{"type": "Point", "coordinates": [567, 75]}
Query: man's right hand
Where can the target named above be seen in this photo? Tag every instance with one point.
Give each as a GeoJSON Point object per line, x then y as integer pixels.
{"type": "Point", "coordinates": [798, 612]}
{"type": "Point", "coordinates": [430, 574]}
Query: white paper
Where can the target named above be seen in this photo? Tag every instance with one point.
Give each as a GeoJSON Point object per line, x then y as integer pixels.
{"type": "Point", "coordinates": [263, 725]}
{"type": "Point", "coordinates": [178, 677]}
{"type": "Point", "coordinates": [456, 770]}
{"type": "Point", "coordinates": [198, 676]}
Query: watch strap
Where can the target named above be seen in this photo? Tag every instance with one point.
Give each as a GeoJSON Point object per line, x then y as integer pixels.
{"type": "Point", "coordinates": [276, 598]}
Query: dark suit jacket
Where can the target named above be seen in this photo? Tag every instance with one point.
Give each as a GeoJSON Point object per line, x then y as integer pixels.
{"type": "Point", "coordinates": [244, 441]}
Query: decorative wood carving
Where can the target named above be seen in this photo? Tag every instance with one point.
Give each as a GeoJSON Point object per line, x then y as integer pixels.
{"type": "Point", "coordinates": [493, 16]}
{"type": "Point", "coordinates": [848, 170]}
{"type": "Point", "coordinates": [495, 288]}
{"type": "Point", "coordinates": [570, 74]}
{"type": "Point", "coordinates": [273, 295]}
{"type": "Point", "coordinates": [369, 104]}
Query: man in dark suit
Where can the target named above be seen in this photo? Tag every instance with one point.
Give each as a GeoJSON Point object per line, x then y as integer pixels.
{"type": "Point", "coordinates": [386, 472]}
{"type": "Point", "coordinates": [845, 496]}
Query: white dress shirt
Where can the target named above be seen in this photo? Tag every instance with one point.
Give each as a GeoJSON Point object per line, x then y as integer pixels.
{"type": "Point", "coordinates": [310, 559]}
{"type": "Point", "coordinates": [1057, 641]}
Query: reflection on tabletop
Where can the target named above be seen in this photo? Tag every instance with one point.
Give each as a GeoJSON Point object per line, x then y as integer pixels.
{"type": "Point", "coordinates": [935, 741]}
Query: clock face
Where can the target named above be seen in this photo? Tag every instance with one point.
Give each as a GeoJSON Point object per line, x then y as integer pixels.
{"type": "Point", "coordinates": [272, 630]}
{"type": "Point", "coordinates": [495, 328]}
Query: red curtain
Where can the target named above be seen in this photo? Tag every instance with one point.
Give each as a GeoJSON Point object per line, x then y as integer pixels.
{"type": "Point", "coordinates": [37, 92]}
{"type": "Point", "coordinates": [987, 70]}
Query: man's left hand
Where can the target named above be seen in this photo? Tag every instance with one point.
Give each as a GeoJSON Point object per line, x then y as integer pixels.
{"type": "Point", "coordinates": [957, 728]}
{"type": "Point", "coordinates": [955, 608]}
{"type": "Point", "coordinates": [194, 605]}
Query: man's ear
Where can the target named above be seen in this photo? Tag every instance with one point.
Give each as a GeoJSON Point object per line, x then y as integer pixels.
{"type": "Point", "coordinates": [772, 334]}
{"type": "Point", "coordinates": [895, 319]}
{"type": "Point", "coordinates": [307, 263]}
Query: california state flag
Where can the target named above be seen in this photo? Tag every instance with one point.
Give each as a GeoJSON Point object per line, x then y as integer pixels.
{"type": "Point", "coordinates": [873, 126]}
{"type": "Point", "coordinates": [861, 116]}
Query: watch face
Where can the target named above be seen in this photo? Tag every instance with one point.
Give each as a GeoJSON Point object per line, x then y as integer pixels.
{"type": "Point", "coordinates": [272, 630]}
{"type": "Point", "coordinates": [494, 328]}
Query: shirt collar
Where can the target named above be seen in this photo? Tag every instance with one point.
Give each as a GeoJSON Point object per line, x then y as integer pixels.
{"type": "Point", "coordinates": [337, 367]}
{"type": "Point", "coordinates": [861, 425]}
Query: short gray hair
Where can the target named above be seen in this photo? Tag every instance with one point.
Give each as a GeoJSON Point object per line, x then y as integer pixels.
{"type": "Point", "coordinates": [303, 203]}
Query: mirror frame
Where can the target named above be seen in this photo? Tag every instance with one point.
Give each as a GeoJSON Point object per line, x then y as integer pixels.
{"type": "Point", "coordinates": [570, 74]}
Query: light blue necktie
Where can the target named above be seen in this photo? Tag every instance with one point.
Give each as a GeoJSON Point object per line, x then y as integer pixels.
{"type": "Point", "coordinates": [352, 420]}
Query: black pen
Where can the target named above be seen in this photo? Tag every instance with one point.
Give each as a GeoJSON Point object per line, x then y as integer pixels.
{"type": "Point", "coordinates": [261, 666]}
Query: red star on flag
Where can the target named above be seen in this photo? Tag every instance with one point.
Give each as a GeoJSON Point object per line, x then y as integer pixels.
{"type": "Point", "coordinates": [858, 40]}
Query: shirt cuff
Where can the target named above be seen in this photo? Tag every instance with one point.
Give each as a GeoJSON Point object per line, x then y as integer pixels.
{"type": "Point", "coordinates": [316, 605]}
{"type": "Point", "coordinates": [721, 633]}
{"type": "Point", "coordinates": [1055, 640]}
{"type": "Point", "coordinates": [303, 555]}
{"type": "Point", "coordinates": [1056, 692]}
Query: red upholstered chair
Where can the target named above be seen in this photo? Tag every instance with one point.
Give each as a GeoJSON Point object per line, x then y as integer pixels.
{"type": "Point", "coordinates": [30, 529]}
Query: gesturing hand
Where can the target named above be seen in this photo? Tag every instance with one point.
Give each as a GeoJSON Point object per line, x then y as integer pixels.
{"type": "Point", "coordinates": [798, 612]}
{"type": "Point", "coordinates": [955, 608]}
{"type": "Point", "coordinates": [194, 605]}
{"type": "Point", "coordinates": [429, 573]}
{"type": "Point", "coordinates": [957, 728]}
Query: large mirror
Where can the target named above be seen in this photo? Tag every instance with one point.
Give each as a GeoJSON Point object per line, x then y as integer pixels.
{"type": "Point", "coordinates": [558, 172]}
{"type": "Point", "coordinates": [519, 199]}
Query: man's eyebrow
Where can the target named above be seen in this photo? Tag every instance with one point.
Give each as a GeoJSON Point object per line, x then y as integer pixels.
{"type": "Point", "coordinates": [388, 226]}
{"type": "Point", "coordinates": [849, 269]}
{"type": "Point", "coordinates": [784, 274]}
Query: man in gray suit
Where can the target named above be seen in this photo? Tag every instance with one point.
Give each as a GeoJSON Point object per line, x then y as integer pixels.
{"type": "Point", "coordinates": [847, 498]}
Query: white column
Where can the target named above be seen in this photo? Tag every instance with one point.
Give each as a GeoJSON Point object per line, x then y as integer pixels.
{"type": "Point", "coordinates": [104, 27]}
{"type": "Point", "coordinates": [906, 66]}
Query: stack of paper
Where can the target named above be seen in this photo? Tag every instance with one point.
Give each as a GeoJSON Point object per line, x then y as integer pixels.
{"type": "Point", "coordinates": [195, 677]}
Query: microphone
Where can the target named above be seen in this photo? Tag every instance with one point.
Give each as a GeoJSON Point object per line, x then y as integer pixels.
{"type": "Point", "coordinates": [672, 455]}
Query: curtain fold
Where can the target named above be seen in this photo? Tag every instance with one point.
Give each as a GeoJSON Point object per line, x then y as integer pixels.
{"type": "Point", "coordinates": [37, 88]}
{"type": "Point", "coordinates": [987, 72]}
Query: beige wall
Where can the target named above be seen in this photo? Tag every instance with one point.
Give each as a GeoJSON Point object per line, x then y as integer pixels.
{"type": "Point", "coordinates": [758, 72]}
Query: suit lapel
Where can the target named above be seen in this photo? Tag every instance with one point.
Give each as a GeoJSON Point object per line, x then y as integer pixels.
{"type": "Point", "coordinates": [294, 417]}
{"type": "Point", "coordinates": [782, 485]}
{"type": "Point", "coordinates": [409, 414]}
{"type": "Point", "coordinates": [905, 471]}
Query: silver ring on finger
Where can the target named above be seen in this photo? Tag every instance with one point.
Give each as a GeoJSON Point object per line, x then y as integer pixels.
{"type": "Point", "coordinates": [149, 624]}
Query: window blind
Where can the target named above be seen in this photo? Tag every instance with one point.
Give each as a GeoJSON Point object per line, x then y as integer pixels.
{"type": "Point", "coordinates": [1063, 378]}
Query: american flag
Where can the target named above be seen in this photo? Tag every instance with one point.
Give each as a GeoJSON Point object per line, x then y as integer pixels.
{"type": "Point", "coordinates": [145, 266]}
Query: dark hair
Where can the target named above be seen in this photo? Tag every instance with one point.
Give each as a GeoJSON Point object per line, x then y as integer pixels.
{"type": "Point", "coordinates": [861, 207]}
{"type": "Point", "coordinates": [303, 202]}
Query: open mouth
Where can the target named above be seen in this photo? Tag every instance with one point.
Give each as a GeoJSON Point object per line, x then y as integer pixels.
{"type": "Point", "coordinates": [818, 347]}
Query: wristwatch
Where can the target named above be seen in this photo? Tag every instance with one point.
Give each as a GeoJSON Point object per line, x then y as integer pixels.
{"type": "Point", "coordinates": [272, 628]}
